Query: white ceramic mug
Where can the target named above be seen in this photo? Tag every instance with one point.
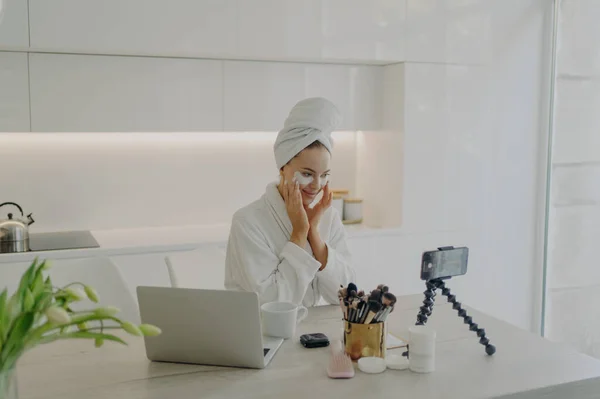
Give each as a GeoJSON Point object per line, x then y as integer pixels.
{"type": "Point", "coordinates": [280, 318]}
{"type": "Point", "coordinates": [421, 349]}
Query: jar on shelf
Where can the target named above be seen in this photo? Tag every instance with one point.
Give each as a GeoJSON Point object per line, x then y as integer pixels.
{"type": "Point", "coordinates": [353, 210]}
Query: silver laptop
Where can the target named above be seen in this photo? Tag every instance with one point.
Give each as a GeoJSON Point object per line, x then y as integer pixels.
{"type": "Point", "coordinates": [212, 327]}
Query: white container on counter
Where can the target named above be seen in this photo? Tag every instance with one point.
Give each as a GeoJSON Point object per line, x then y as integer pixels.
{"type": "Point", "coordinates": [353, 210]}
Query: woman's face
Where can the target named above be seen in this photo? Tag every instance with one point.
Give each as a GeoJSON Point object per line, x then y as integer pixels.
{"type": "Point", "coordinates": [311, 169]}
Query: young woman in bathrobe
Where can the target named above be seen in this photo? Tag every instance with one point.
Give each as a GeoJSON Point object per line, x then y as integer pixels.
{"type": "Point", "coordinates": [279, 246]}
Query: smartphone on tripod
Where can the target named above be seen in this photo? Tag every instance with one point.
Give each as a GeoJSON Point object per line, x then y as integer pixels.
{"type": "Point", "coordinates": [444, 263]}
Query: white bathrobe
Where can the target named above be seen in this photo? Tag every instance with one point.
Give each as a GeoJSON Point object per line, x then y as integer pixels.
{"type": "Point", "coordinates": [261, 258]}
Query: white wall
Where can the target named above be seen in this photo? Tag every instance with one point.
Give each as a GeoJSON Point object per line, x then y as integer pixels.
{"type": "Point", "coordinates": [574, 232]}
{"type": "Point", "coordinates": [94, 181]}
{"type": "Point", "coordinates": [473, 96]}
{"type": "Point", "coordinates": [474, 115]}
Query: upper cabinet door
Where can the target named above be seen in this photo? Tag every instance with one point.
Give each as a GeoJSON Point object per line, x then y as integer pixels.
{"type": "Point", "coordinates": [279, 29]}
{"type": "Point", "coordinates": [259, 95]}
{"type": "Point", "coordinates": [173, 27]}
{"type": "Point", "coordinates": [80, 93]}
{"type": "Point", "coordinates": [363, 29]}
{"type": "Point", "coordinates": [301, 30]}
{"type": "Point", "coordinates": [14, 93]}
{"type": "Point", "coordinates": [14, 29]}
{"type": "Point", "coordinates": [357, 91]}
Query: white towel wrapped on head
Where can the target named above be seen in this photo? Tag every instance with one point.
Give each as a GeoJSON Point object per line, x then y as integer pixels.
{"type": "Point", "coordinates": [310, 120]}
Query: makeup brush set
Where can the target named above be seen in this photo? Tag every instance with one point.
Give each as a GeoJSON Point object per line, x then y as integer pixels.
{"type": "Point", "coordinates": [360, 308]}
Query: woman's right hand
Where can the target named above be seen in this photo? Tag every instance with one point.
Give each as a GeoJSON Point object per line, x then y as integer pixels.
{"type": "Point", "coordinates": [296, 212]}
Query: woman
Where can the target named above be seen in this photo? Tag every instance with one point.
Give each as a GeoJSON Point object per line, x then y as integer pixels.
{"type": "Point", "coordinates": [279, 246]}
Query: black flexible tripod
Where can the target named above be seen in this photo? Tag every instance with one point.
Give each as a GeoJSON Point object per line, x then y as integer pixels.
{"type": "Point", "coordinates": [427, 308]}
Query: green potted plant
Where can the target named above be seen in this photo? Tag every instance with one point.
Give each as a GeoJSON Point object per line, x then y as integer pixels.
{"type": "Point", "coordinates": [39, 313]}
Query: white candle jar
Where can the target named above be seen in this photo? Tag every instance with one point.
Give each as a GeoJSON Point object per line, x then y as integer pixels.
{"type": "Point", "coordinates": [353, 210]}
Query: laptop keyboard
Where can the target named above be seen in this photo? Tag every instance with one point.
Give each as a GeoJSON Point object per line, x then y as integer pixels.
{"type": "Point", "coordinates": [266, 350]}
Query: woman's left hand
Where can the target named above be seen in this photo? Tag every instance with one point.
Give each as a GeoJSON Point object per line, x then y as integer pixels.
{"type": "Point", "coordinates": [314, 214]}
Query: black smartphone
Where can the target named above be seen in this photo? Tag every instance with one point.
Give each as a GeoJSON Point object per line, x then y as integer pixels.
{"type": "Point", "coordinates": [315, 340]}
{"type": "Point", "coordinates": [445, 262]}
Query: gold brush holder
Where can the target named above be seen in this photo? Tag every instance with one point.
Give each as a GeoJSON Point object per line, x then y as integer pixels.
{"type": "Point", "coordinates": [364, 340]}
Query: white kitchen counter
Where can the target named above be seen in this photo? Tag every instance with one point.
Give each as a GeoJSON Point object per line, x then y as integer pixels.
{"type": "Point", "coordinates": [146, 240]}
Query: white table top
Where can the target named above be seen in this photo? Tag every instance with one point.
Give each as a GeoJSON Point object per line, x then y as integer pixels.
{"type": "Point", "coordinates": [525, 366]}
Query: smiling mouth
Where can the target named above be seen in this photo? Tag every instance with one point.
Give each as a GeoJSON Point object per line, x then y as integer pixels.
{"type": "Point", "coordinates": [309, 193]}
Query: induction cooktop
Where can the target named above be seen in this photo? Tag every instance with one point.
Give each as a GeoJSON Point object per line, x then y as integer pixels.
{"type": "Point", "coordinates": [61, 240]}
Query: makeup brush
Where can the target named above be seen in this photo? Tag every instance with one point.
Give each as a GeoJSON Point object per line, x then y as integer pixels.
{"type": "Point", "coordinates": [374, 307]}
{"type": "Point", "coordinates": [351, 287]}
{"type": "Point", "coordinates": [363, 306]}
{"type": "Point", "coordinates": [375, 296]}
{"type": "Point", "coordinates": [386, 313]}
{"type": "Point", "coordinates": [388, 299]}
{"type": "Point", "coordinates": [352, 310]}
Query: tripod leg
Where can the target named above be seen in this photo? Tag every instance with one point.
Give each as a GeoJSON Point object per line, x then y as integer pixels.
{"type": "Point", "coordinates": [483, 340]}
{"type": "Point", "coordinates": [427, 308]}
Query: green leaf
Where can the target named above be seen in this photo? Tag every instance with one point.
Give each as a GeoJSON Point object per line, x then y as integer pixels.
{"type": "Point", "coordinates": [27, 278]}
{"type": "Point", "coordinates": [3, 314]}
{"type": "Point", "coordinates": [43, 301]}
{"type": "Point", "coordinates": [15, 341]}
{"type": "Point", "coordinates": [3, 297]}
{"type": "Point", "coordinates": [13, 310]}
{"type": "Point", "coordinates": [28, 301]}
{"type": "Point", "coordinates": [38, 285]}
{"type": "Point", "coordinates": [22, 325]}
{"type": "Point", "coordinates": [62, 302]}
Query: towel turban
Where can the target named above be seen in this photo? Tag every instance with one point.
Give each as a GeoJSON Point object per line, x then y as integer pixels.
{"type": "Point", "coordinates": [310, 120]}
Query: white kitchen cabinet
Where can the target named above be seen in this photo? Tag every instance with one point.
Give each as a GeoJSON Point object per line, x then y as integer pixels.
{"type": "Point", "coordinates": [363, 29]}
{"type": "Point", "coordinates": [81, 93]}
{"type": "Point", "coordinates": [259, 95]}
{"type": "Point", "coordinates": [333, 82]}
{"type": "Point", "coordinates": [355, 90]}
{"type": "Point", "coordinates": [285, 30]}
{"type": "Point", "coordinates": [14, 92]}
{"type": "Point", "coordinates": [14, 30]}
{"type": "Point", "coordinates": [182, 27]}
{"type": "Point", "coordinates": [279, 29]}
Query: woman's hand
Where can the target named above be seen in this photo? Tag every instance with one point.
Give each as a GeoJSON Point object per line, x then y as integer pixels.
{"type": "Point", "coordinates": [314, 214]}
{"type": "Point", "coordinates": [296, 212]}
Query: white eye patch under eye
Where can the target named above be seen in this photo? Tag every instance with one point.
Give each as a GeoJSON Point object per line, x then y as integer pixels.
{"type": "Point", "coordinates": [323, 180]}
{"type": "Point", "coordinates": [304, 180]}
